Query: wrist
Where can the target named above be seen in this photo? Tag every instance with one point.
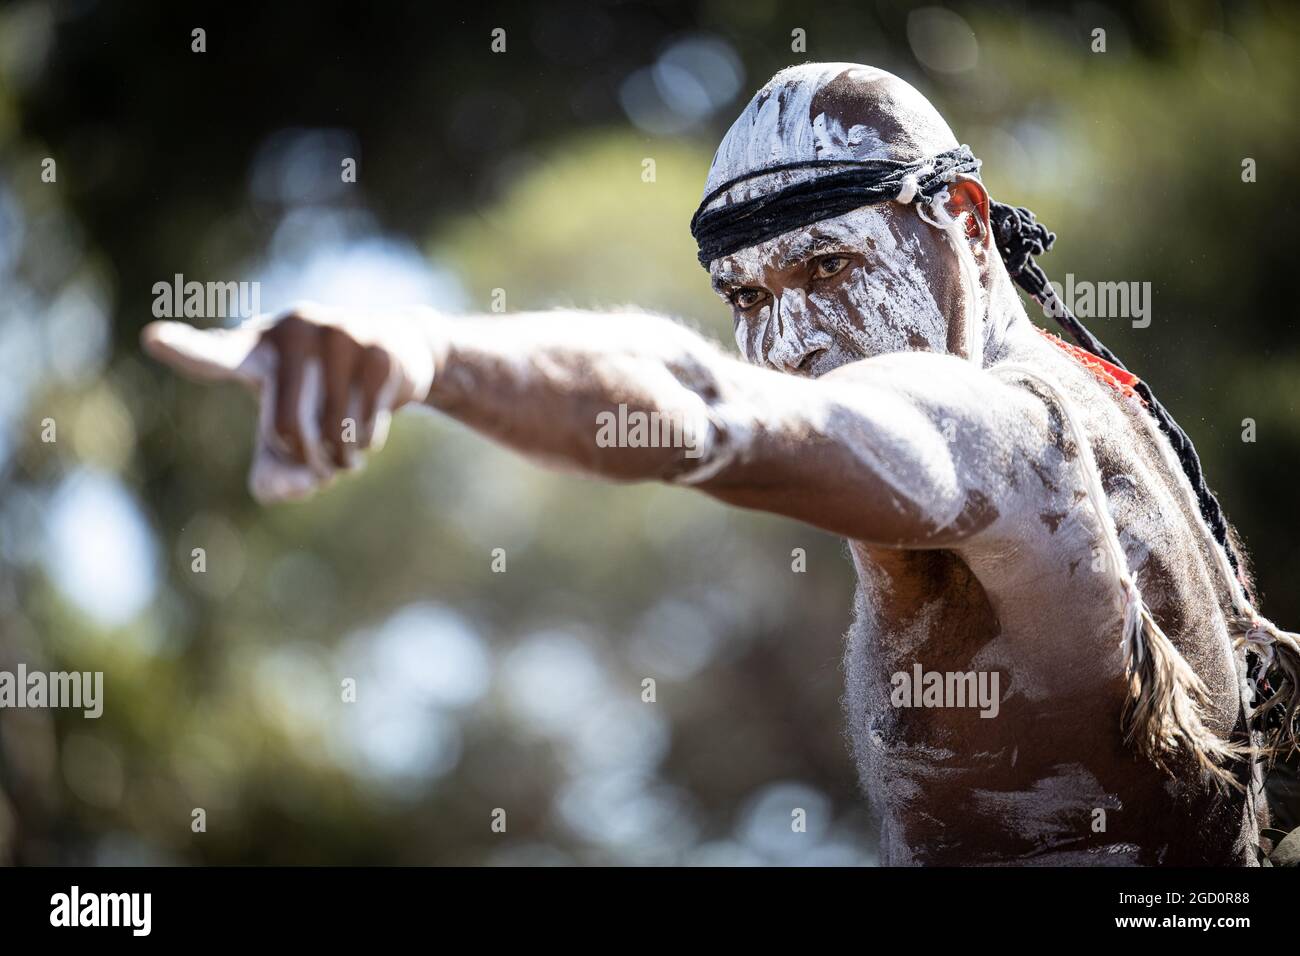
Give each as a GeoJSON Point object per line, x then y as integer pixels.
{"type": "Point", "coordinates": [414, 340]}
{"type": "Point", "coordinates": [437, 333]}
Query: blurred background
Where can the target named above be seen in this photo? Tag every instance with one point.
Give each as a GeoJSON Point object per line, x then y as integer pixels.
{"type": "Point", "coordinates": [522, 171]}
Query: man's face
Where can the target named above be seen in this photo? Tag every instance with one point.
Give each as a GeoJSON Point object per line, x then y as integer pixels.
{"type": "Point", "coordinates": [837, 291]}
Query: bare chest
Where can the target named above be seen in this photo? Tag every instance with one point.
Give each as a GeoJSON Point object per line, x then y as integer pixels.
{"type": "Point", "coordinates": [985, 721]}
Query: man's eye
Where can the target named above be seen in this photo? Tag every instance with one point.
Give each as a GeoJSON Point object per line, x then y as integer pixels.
{"type": "Point", "coordinates": [745, 299]}
{"type": "Point", "coordinates": [827, 266]}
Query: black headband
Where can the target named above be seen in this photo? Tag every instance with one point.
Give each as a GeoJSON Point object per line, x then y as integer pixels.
{"type": "Point", "coordinates": [1019, 237]}
{"type": "Point", "coordinates": [731, 227]}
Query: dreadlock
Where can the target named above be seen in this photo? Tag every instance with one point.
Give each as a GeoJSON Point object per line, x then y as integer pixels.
{"type": "Point", "coordinates": [1020, 237]}
{"type": "Point", "coordinates": [722, 229]}
{"type": "Point", "coordinates": [1274, 654]}
{"type": "Point", "coordinates": [1166, 696]}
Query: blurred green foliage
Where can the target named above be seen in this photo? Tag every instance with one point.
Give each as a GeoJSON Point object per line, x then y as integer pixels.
{"type": "Point", "coordinates": [523, 173]}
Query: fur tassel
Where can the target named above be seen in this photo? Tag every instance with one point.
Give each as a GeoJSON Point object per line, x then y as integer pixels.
{"type": "Point", "coordinates": [1276, 681]}
{"type": "Point", "coordinates": [1162, 716]}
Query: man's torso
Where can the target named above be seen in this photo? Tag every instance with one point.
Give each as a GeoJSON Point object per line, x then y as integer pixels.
{"type": "Point", "coordinates": [1049, 778]}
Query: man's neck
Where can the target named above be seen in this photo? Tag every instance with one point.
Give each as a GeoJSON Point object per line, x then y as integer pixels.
{"type": "Point", "coordinates": [1007, 329]}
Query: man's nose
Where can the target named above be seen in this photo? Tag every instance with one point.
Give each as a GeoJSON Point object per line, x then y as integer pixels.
{"type": "Point", "coordinates": [790, 349]}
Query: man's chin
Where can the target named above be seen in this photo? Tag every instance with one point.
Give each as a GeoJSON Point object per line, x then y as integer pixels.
{"type": "Point", "coordinates": [829, 363]}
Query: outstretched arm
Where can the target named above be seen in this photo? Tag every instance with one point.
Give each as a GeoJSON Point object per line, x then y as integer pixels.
{"type": "Point", "coordinates": [898, 450]}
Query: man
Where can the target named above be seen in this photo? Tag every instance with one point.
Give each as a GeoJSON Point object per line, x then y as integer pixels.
{"type": "Point", "coordinates": [1013, 513]}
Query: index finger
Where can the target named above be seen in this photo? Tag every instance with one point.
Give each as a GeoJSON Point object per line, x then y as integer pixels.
{"type": "Point", "coordinates": [210, 355]}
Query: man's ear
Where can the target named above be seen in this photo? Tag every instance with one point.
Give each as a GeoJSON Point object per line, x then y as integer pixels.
{"type": "Point", "coordinates": [967, 195]}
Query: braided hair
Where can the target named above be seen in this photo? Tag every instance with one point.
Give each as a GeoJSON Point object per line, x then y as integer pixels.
{"type": "Point", "coordinates": [722, 228]}
{"type": "Point", "coordinates": [1020, 237]}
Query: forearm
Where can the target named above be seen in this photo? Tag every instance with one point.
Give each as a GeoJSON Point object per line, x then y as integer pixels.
{"type": "Point", "coordinates": [897, 450]}
{"type": "Point", "coordinates": [861, 452]}
{"type": "Point", "coordinates": [625, 396]}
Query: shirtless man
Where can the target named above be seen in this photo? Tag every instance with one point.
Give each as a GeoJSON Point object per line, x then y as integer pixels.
{"type": "Point", "coordinates": [894, 392]}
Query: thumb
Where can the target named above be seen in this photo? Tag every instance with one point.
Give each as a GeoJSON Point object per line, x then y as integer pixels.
{"type": "Point", "coordinates": [209, 355]}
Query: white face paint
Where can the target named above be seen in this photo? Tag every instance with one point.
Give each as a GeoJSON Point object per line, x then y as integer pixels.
{"type": "Point", "coordinates": [883, 303]}
{"type": "Point", "coordinates": [955, 231]}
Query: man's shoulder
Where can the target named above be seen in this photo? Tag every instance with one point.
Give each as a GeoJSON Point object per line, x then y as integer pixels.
{"type": "Point", "coordinates": [918, 363]}
{"type": "Point", "coordinates": [950, 389]}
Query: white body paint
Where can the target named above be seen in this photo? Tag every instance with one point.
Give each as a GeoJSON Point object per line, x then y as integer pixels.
{"type": "Point", "coordinates": [972, 545]}
{"type": "Point", "coordinates": [1048, 648]}
{"type": "Point", "coordinates": [776, 127]}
